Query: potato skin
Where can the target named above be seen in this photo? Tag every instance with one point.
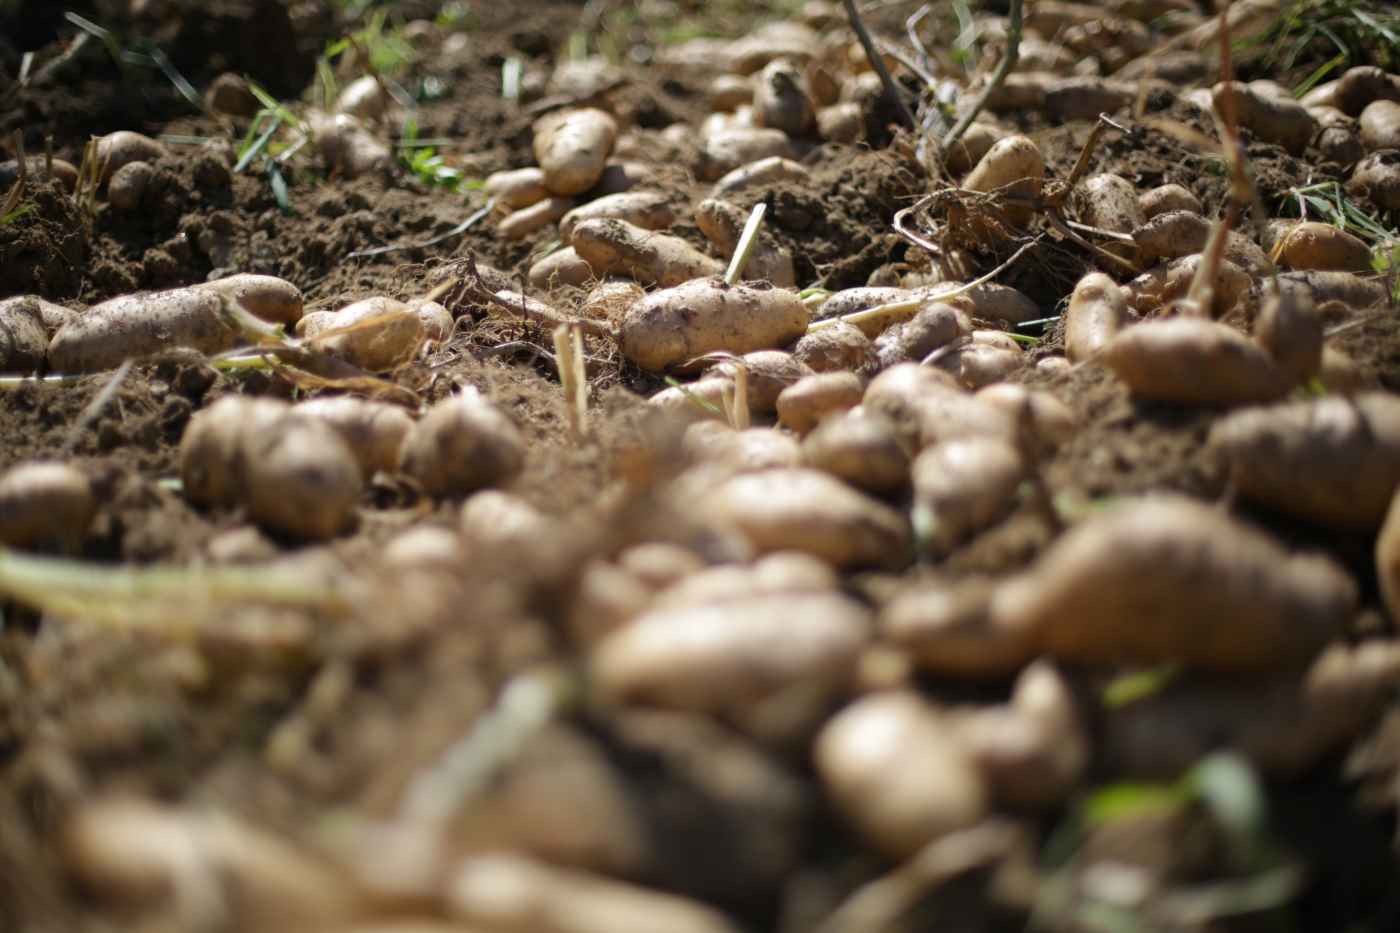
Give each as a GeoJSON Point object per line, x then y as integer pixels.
{"type": "Point", "coordinates": [301, 478]}
{"type": "Point", "coordinates": [678, 324]}
{"type": "Point", "coordinates": [1388, 559]}
{"type": "Point", "coordinates": [24, 341]}
{"type": "Point", "coordinates": [1313, 245]}
{"type": "Point", "coordinates": [615, 246]}
{"type": "Point", "coordinates": [1190, 361]}
{"type": "Point", "coordinates": [650, 210]}
{"type": "Point", "coordinates": [374, 431]}
{"type": "Point", "coordinates": [123, 147]}
{"type": "Point", "coordinates": [212, 464]}
{"type": "Point", "coordinates": [394, 335]}
{"type": "Point", "coordinates": [138, 325]}
{"type": "Point", "coordinates": [572, 148]}
{"type": "Point", "coordinates": [1097, 311]}
{"type": "Point", "coordinates": [1271, 118]}
{"type": "Point", "coordinates": [517, 188]}
{"type": "Point", "coordinates": [44, 503]}
{"type": "Point", "coordinates": [464, 443]}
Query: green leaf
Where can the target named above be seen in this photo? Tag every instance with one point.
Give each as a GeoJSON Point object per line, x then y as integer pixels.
{"type": "Point", "coordinates": [1138, 685]}
{"type": "Point", "coordinates": [1130, 799]}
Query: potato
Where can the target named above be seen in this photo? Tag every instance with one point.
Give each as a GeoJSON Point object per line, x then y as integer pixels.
{"type": "Point", "coordinates": [1272, 119]}
{"type": "Point", "coordinates": [745, 451]}
{"type": "Point", "coordinates": [770, 575]}
{"type": "Point", "coordinates": [778, 39]}
{"type": "Point", "coordinates": [1021, 91]}
{"type": "Point", "coordinates": [984, 359]}
{"type": "Point", "coordinates": [347, 147]}
{"type": "Point", "coordinates": [517, 225]}
{"type": "Point", "coordinates": [1085, 98]}
{"type": "Point", "coordinates": [727, 91]}
{"type": "Point", "coordinates": [841, 123]}
{"type": "Point", "coordinates": [123, 147]}
{"type": "Point", "coordinates": [1015, 167]}
{"type": "Point", "coordinates": [1358, 87]}
{"type": "Point", "coordinates": [493, 519]}
{"type": "Point", "coordinates": [862, 298]}
{"type": "Point", "coordinates": [437, 321]}
{"type": "Point", "coordinates": [375, 431]}
{"type": "Point", "coordinates": [1165, 579]}
{"type": "Point", "coordinates": [51, 316]}
{"type": "Point", "coordinates": [45, 505]}
{"type": "Point", "coordinates": [835, 349]}
{"type": "Point", "coordinates": [365, 98]}
{"type": "Point", "coordinates": [1339, 289]}
{"type": "Point", "coordinates": [1165, 198]}
{"type": "Point", "coordinates": [609, 299]}
{"type": "Point", "coordinates": [927, 407]}
{"type": "Point", "coordinates": [782, 100]}
{"type": "Point", "coordinates": [375, 334]}
{"type": "Point", "coordinates": [509, 892]}
{"type": "Point", "coordinates": [583, 78]}
{"type": "Point", "coordinates": [1179, 233]}
{"type": "Point", "coordinates": [128, 186]}
{"type": "Point", "coordinates": [769, 373]}
{"type": "Point", "coordinates": [704, 398]}
{"type": "Point", "coordinates": [24, 340]}
{"type": "Point", "coordinates": [860, 448]}
{"type": "Point", "coordinates": [730, 149]}
{"type": "Point", "coordinates": [961, 487]}
{"type": "Point", "coordinates": [992, 302]}
{"type": "Point", "coordinates": [650, 210]}
{"type": "Point", "coordinates": [894, 767]}
{"type": "Point", "coordinates": [138, 325]}
{"type": "Point", "coordinates": [516, 188]}
{"type": "Point", "coordinates": [1378, 177]}
{"type": "Point", "coordinates": [1333, 461]}
{"type": "Point", "coordinates": [723, 225]}
{"type": "Point", "coordinates": [1313, 245]}
{"type": "Point", "coordinates": [1189, 361]}
{"type": "Point", "coordinates": [1110, 202]}
{"type": "Point", "coordinates": [212, 452]}
{"type": "Point", "coordinates": [766, 171]}
{"type": "Point", "coordinates": [572, 148]}
{"type": "Point", "coordinates": [1049, 421]}
{"type": "Point", "coordinates": [727, 653]}
{"type": "Point", "coordinates": [974, 143]}
{"type": "Point", "coordinates": [36, 168]}
{"type": "Point", "coordinates": [1388, 559]}
{"type": "Point", "coordinates": [1380, 125]}
{"type": "Point", "coordinates": [948, 630]}
{"type": "Point", "coordinates": [1338, 140]}
{"type": "Point", "coordinates": [1290, 330]}
{"type": "Point", "coordinates": [615, 246]}
{"type": "Point", "coordinates": [702, 316]}
{"type": "Point", "coordinates": [1161, 286]}
{"type": "Point", "coordinates": [561, 267]}
{"type": "Point", "coordinates": [1098, 310]}
{"type": "Point", "coordinates": [809, 511]}
{"type": "Point", "coordinates": [807, 401]}
{"type": "Point", "coordinates": [464, 443]}
{"type": "Point", "coordinates": [300, 477]}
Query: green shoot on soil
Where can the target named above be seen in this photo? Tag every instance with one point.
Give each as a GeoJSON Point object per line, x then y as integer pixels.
{"type": "Point", "coordinates": [1355, 32]}
{"type": "Point", "coordinates": [1327, 201]}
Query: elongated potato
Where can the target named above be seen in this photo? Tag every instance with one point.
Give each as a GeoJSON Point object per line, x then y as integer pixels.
{"type": "Point", "coordinates": [992, 302]}
{"type": "Point", "coordinates": [1179, 233]}
{"type": "Point", "coordinates": [517, 225]}
{"type": "Point", "coordinates": [300, 478]}
{"type": "Point", "coordinates": [807, 401]}
{"type": "Point", "coordinates": [137, 325]}
{"type": "Point", "coordinates": [1189, 361]}
{"type": "Point", "coordinates": [782, 99]}
{"type": "Point", "coordinates": [1165, 198]}
{"type": "Point", "coordinates": [44, 505]}
{"type": "Point", "coordinates": [374, 431]}
{"type": "Point", "coordinates": [650, 210]}
{"type": "Point", "coordinates": [730, 149]}
{"type": "Point", "coordinates": [949, 631]}
{"type": "Point", "coordinates": [1269, 117]}
{"type": "Point", "coordinates": [561, 267]}
{"type": "Point", "coordinates": [1015, 167]}
{"type": "Point", "coordinates": [1084, 98]}
{"type": "Point", "coordinates": [1344, 290]}
{"type": "Point", "coordinates": [1098, 310]}
{"type": "Point", "coordinates": [24, 341]}
{"type": "Point", "coordinates": [702, 316]}
{"type": "Point", "coordinates": [464, 443]}
{"type": "Point", "coordinates": [727, 92]}
{"type": "Point", "coordinates": [1388, 559]}
{"type": "Point", "coordinates": [375, 334]}
{"type": "Point", "coordinates": [1334, 461]}
{"type": "Point", "coordinates": [960, 488]}
{"type": "Point", "coordinates": [723, 225]}
{"type": "Point", "coordinates": [1168, 579]}
{"type": "Point", "coordinates": [572, 147]}
{"type": "Point", "coordinates": [615, 246]}
{"type": "Point", "coordinates": [860, 448]}
{"type": "Point", "coordinates": [987, 357]}
{"type": "Point", "coordinates": [1290, 329]}
{"type": "Point", "coordinates": [766, 171]}
{"type": "Point", "coordinates": [1313, 245]}
{"type": "Point", "coordinates": [517, 188]}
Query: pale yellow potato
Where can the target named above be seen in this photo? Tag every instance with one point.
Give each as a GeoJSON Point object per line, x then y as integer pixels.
{"type": "Point", "coordinates": [45, 504]}
{"type": "Point", "coordinates": [519, 224]}
{"type": "Point", "coordinates": [1313, 245]}
{"type": "Point", "coordinates": [347, 147]}
{"type": "Point", "coordinates": [365, 97]}
{"type": "Point", "coordinates": [1157, 288]}
{"type": "Point", "coordinates": [807, 401]}
{"type": "Point", "coordinates": [300, 478]}
{"type": "Point", "coordinates": [1345, 290]}
{"type": "Point", "coordinates": [769, 372]}
{"type": "Point", "coordinates": [985, 358]}
{"type": "Point", "coordinates": [991, 302]}
{"type": "Point", "coordinates": [128, 186]}
{"type": "Point", "coordinates": [729, 149]}
{"type": "Point", "coordinates": [211, 450]}
{"type": "Point", "coordinates": [961, 487]}
{"type": "Point", "coordinates": [516, 188]}
{"type": "Point", "coordinates": [974, 143]}
{"type": "Point", "coordinates": [1110, 202]}
{"type": "Point", "coordinates": [650, 210]}
{"type": "Point", "coordinates": [124, 147]}
{"type": "Point", "coordinates": [678, 324]}
{"type": "Point", "coordinates": [948, 629]}
{"type": "Point", "coordinates": [1190, 361]}
{"type": "Point", "coordinates": [746, 451]}
{"type": "Point", "coordinates": [1049, 421]}
{"type": "Point", "coordinates": [572, 148]}
{"type": "Point", "coordinates": [492, 519]}
{"type": "Point", "coordinates": [764, 171]}
{"type": "Point", "coordinates": [778, 39]}
{"type": "Point", "coordinates": [835, 349]}
{"type": "Point", "coordinates": [1165, 198]}
{"type": "Point", "coordinates": [615, 246]}
{"type": "Point", "coordinates": [1290, 329]}
{"type": "Point", "coordinates": [437, 321]}
{"type": "Point", "coordinates": [860, 448]}
{"type": "Point", "coordinates": [723, 225]}
{"type": "Point", "coordinates": [375, 334]}
{"type": "Point", "coordinates": [1098, 310]}
{"type": "Point", "coordinates": [1174, 234]}
{"type": "Point", "coordinates": [933, 326]}
{"type": "Point", "coordinates": [1270, 118]}
{"type": "Point", "coordinates": [561, 267]}
{"type": "Point", "coordinates": [24, 340]}
{"type": "Point", "coordinates": [1013, 166]}
{"type": "Point", "coordinates": [728, 91]}
{"type": "Point", "coordinates": [463, 443]}
{"type": "Point", "coordinates": [841, 123]}
{"type": "Point", "coordinates": [375, 431]}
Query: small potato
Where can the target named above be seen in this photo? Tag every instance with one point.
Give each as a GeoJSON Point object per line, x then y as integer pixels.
{"type": "Point", "coordinates": [1290, 330]}
{"type": "Point", "coordinates": [1110, 202]}
{"type": "Point", "coordinates": [678, 324]}
{"type": "Point", "coordinates": [949, 631]}
{"type": "Point", "coordinates": [1339, 141]}
{"type": "Point", "coordinates": [730, 149]}
{"type": "Point", "coordinates": [45, 505]}
{"type": "Point", "coordinates": [123, 147]}
{"type": "Point", "coordinates": [437, 321]}
{"type": "Point", "coordinates": [229, 94]}
{"type": "Point", "coordinates": [960, 488]}
{"type": "Point", "coordinates": [841, 123]}
{"type": "Point", "coordinates": [1380, 125]}
{"type": "Point", "coordinates": [1085, 98]}
{"type": "Point", "coordinates": [211, 451]}
{"type": "Point", "coordinates": [1358, 87]}
{"type": "Point", "coordinates": [300, 478]}
{"type": "Point", "coordinates": [1378, 177]}
{"type": "Point", "coordinates": [347, 147]}
{"type": "Point", "coordinates": [572, 148]}
{"type": "Point", "coordinates": [615, 246]}
{"type": "Point", "coordinates": [561, 267]}
{"type": "Point", "coordinates": [517, 225]}
{"type": "Point", "coordinates": [24, 340]}
{"type": "Point", "coordinates": [860, 448]}
{"type": "Point", "coordinates": [1161, 286]}
{"type": "Point", "coordinates": [610, 299]}
{"type": "Point", "coordinates": [782, 100]}
{"type": "Point", "coordinates": [375, 334]}
{"type": "Point", "coordinates": [992, 302]}
{"type": "Point", "coordinates": [1313, 245]}
{"type": "Point", "coordinates": [1021, 91]}
{"type": "Point", "coordinates": [723, 225]}
{"type": "Point", "coordinates": [727, 92]}
{"type": "Point", "coordinates": [809, 511]}
{"type": "Point", "coordinates": [1050, 422]}
{"type": "Point", "coordinates": [1334, 461]}
{"type": "Point", "coordinates": [516, 188]}
{"type": "Point", "coordinates": [425, 546]}
{"type": "Point", "coordinates": [464, 443]}
{"type": "Point", "coordinates": [779, 39]}
{"type": "Point", "coordinates": [854, 300]}
{"type": "Point", "coordinates": [493, 519]}
{"type": "Point", "coordinates": [765, 171]}
{"type": "Point", "coordinates": [1346, 290]}
{"type": "Point", "coordinates": [1167, 579]}
{"type": "Point", "coordinates": [650, 210]}
{"type": "Point", "coordinates": [1189, 361]}
{"type": "Point", "coordinates": [1270, 118]}
{"type": "Point", "coordinates": [769, 373]}
{"type": "Point", "coordinates": [975, 143]}
{"type": "Point", "coordinates": [35, 167]}
{"type": "Point", "coordinates": [1098, 310]}
{"type": "Point", "coordinates": [128, 186]}
{"type": "Point", "coordinates": [894, 767]}
{"type": "Point", "coordinates": [835, 349]}
{"type": "Point", "coordinates": [981, 361]}
{"type": "Point", "coordinates": [1174, 234]}
{"type": "Point", "coordinates": [1165, 198]}
{"type": "Point", "coordinates": [745, 451]}
{"type": "Point", "coordinates": [927, 406]}
{"type": "Point", "coordinates": [1015, 167]}
{"type": "Point", "coordinates": [704, 398]}
{"type": "Point", "coordinates": [810, 399]}
{"type": "Point", "coordinates": [365, 98]}
{"type": "Point", "coordinates": [375, 431]}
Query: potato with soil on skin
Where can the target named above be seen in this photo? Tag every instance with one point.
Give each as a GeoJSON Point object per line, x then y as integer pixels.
{"type": "Point", "coordinates": [860, 448]}
{"type": "Point", "coordinates": [1015, 168]}
{"type": "Point", "coordinates": [1270, 118]}
{"type": "Point", "coordinates": [1333, 461]}
{"type": "Point", "coordinates": [841, 123]}
{"type": "Point", "coordinates": [1085, 98]}
{"type": "Point", "coordinates": [766, 171]}
{"type": "Point", "coordinates": [1339, 140]}
{"type": "Point", "coordinates": [1313, 245]}
{"type": "Point", "coordinates": [1290, 330]}
{"type": "Point", "coordinates": [24, 340]}
{"type": "Point", "coordinates": [960, 488]}
{"type": "Point", "coordinates": [1164, 579]}
{"type": "Point", "coordinates": [1110, 202]}
{"type": "Point", "coordinates": [975, 143]}
{"type": "Point", "coordinates": [723, 225]}
{"type": "Point", "coordinates": [948, 629]}
{"type": "Point", "coordinates": [984, 358]}
{"type": "Point", "coordinates": [133, 326]}
{"type": "Point", "coordinates": [572, 148]}
{"type": "Point", "coordinates": [731, 149]}
{"type": "Point", "coordinates": [650, 210]}
{"type": "Point", "coordinates": [1098, 310]}
{"type": "Point", "coordinates": [1165, 198]}
{"type": "Point", "coordinates": [45, 505]}
{"type": "Point", "coordinates": [1189, 361]}
{"type": "Point", "coordinates": [1380, 125]}
{"type": "Point", "coordinates": [464, 443]}
{"type": "Point", "coordinates": [375, 334]}
{"type": "Point", "coordinates": [809, 511]}
{"type": "Point", "coordinates": [1344, 291]}
{"type": "Point", "coordinates": [615, 246]}
{"type": "Point", "coordinates": [1161, 286]}
{"type": "Point", "coordinates": [674, 325]}
{"type": "Point", "coordinates": [892, 764]}
{"type": "Point", "coordinates": [782, 99]}
{"type": "Point", "coordinates": [727, 92]}
{"type": "Point", "coordinates": [807, 401]}
{"type": "Point", "coordinates": [375, 431]}
{"type": "Point", "coordinates": [513, 189]}
{"type": "Point", "coordinates": [991, 302]}
{"type": "Point", "coordinates": [492, 518]}
{"type": "Point", "coordinates": [128, 186]}
{"type": "Point", "coordinates": [1358, 87]}
{"type": "Point", "coordinates": [561, 267]}
{"type": "Point", "coordinates": [748, 450]}
{"type": "Point", "coordinates": [123, 147]}
{"type": "Point", "coordinates": [1045, 421]}
{"type": "Point", "coordinates": [36, 169]}
{"type": "Point", "coordinates": [365, 98]}
{"type": "Point", "coordinates": [839, 348]}
{"type": "Point", "coordinates": [211, 449]}
{"type": "Point", "coordinates": [1378, 177]}
{"type": "Point", "coordinates": [517, 225]}
{"type": "Point", "coordinates": [926, 405]}
{"type": "Point", "coordinates": [347, 147]}
{"type": "Point", "coordinates": [300, 477]}
{"type": "Point", "coordinates": [1179, 233]}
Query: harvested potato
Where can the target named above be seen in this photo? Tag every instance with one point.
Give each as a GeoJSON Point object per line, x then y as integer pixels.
{"type": "Point", "coordinates": [51, 316]}
{"type": "Point", "coordinates": [650, 210]}
{"type": "Point", "coordinates": [1358, 87]}
{"type": "Point", "coordinates": [782, 99]}
{"type": "Point", "coordinates": [128, 186]}
{"type": "Point", "coordinates": [949, 631]}
{"type": "Point", "coordinates": [926, 406]}
{"type": "Point", "coordinates": [24, 340]}
{"type": "Point", "coordinates": [727, 92]}
{"type": "Point", "coordinates": [1290, 329]}
{"type": "Point", "coordinates": [347, 147]}
{"type": "Point", "coordinates": [137, 325]}
{"type": "Point", "coordinates": [1015, 167]}
{"type": "Point", "coordinates": [764, 171]}
{"type": "Point", "coordinates": [36, 168]}
{"type": "Point", "coordinates": [859, 448]}
{"type": "Point", "coordinates": [1343, 290]}
{"type": "Point", "coordinates": [723, 225]}
{"type": "Point", "coordinates": [1165, 198]}
{"type": "Point", "coordinates": [572, 148]}
{"type": "Point", "coordinates": [807, 401]}
{"type": "Point", "coordinates": [561, 267]}
{"type": "Point", "coordinates": [894, 767]}
{"type": "Point", "coordinates": [615, 246]}
{"type": "Point", "coordinates": [493, 519]}
{"type": "Point", "coordinates": [678, 324]}
{"type": "Point", "coordinates": [464, 443]}
{"type": "Point", "coordinates": [374, 430]}
{"type": "Point", "coordinates": [1180, 233]}
{"type": "Point", "coordinates": [1084, 98]}
{"type": "Point", "coordinates": [935, 325]}
{"type": "Point", "coordinates": [1313, 245]}
{"type": "Point", "coordinates": [841, 123]}
{"type": "Point", "coordinates": [1189, 361]}
{"type": "Point", "coordinates": [1110, 202]}
{"type": "Point", "coordinates": [1098, 310]}
{"type": "Point", "coordinates": [1163, 285]}
{"type": "Point", "coordinates": [516, 188]}
{"type": "Point", "coordinates": [45, 505]}
{"type": "Point", "coordinates": [1269, 117]}
{"type": "Point", "coordinates": [835, 349]}
{"type": "Point", "coordinates": [778, 39]}
{"type": "Point", "coordinates": [375, 334]}
{"type": "Point", "coordinates": [1378, 177]}
{"type": "Point", "coordinates": [517, 225]}
{"type": "Point", "coordinates": [984, 358]}
{"type": "Point", "coordinates": [1166, 579]}
{"type": "Point", "coordinates": [1339, 140]}
{"type": "Point", "coordinates": [704, 398]}
{"type": "Point", "coordinates": [1048, 421]}
{"type": "Point", "coordinates": [1388, 558]}
{"type": "Point", "coordinates": [1334, 461]}
{"type": "Point", "coordinates": [730, 149]}
{"type": "Point", "coordinates": [300, 477]}
{"type": "Point", "coordinates": [122, 148]}
{"type": "Point", "coordinates": [746, 451]}
{"type": "Point", "coordinates": [212, 451]}
{"type": "Point", "coordinates": [974, 143]}
{"type": "Point", "coordinates": [437, 321]}
{"type": "Point", "coordinates": [992, 302]}
{"type": "Point", "coordinates": [1380, 125]}
{"type": "Point", "coordinates": [365, 97]}
{"type": "Point", "coordinates": [809, 511]}
{"type": "Point", "coordinates": [961, 487]}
